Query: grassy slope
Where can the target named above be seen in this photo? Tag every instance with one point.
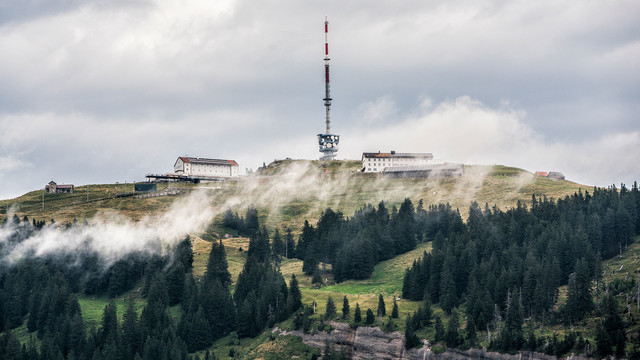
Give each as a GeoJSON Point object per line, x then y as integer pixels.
{"type": "Point", "coordinates": [294, 190]}
{"type": "Point", "coordinates": [335, 184]}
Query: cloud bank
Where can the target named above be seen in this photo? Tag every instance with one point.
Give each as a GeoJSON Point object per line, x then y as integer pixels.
{"type": "Point", "coordinates": [96, 92]}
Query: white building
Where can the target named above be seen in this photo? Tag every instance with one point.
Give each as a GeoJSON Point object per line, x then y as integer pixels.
{"type": "Point", "coordinates": [201, 167]}
{"type": "Point", "coordinates": [377, 162]}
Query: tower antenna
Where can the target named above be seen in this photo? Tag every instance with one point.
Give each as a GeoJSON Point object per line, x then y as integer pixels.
{"type": "Point", "coordinates": [327, 142]}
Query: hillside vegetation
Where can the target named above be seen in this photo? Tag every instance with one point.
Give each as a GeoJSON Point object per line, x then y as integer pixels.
{"type": "Point", "coordinates": [290, 191]}
{"type": "Point", "coordinates": [282, 197]}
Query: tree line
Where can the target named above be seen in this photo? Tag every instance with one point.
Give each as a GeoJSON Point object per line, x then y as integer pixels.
{"type": "Point", "coordinates": [505, 266]}
{"type": "Point", "coordinates": [43, 292]}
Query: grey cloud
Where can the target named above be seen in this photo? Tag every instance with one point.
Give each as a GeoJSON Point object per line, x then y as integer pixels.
{"type": "Point", "coordinates": [248, 76]}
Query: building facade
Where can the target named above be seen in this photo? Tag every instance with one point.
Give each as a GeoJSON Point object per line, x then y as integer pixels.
{"type": "Point", "coordinates": [201, 167]}
{"type": "Point", "coordinates": [377, 162]}
{"type": "Point", "coordinates": [53, 188]}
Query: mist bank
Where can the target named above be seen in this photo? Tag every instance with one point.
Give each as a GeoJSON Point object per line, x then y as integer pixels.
{"type": "Point", "coordinates": [285, 194]}
{"type": "Point", "coordinates": [110, 234]}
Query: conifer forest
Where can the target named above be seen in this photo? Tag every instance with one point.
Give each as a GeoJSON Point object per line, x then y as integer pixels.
{"type": "Point", "coordinates": [498, 277]}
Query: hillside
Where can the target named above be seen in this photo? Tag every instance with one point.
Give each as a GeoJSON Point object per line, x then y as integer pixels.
{"type": "Point", "coordinates": [285, 194]}
{"type": "Point", "coordinates": [290, 191]}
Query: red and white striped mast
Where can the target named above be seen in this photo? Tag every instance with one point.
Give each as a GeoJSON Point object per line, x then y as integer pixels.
{"type": "Point", "coordinates": [327, 97]}
{"type": "Point", "coordinates": [328, 142]}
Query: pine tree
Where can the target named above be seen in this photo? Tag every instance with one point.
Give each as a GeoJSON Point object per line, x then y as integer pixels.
{"type": "Point", "coordinates": [448, 298]}
{"type": "Point", "coordinates": [294, 300]}
{"type": "Point", "coordinates": [357, 315]}
{"type": "Point", "coordinates": [472, 336]}
{"type": "Point", "coordinates": [175, 283]}
{"type": "Point", "coordinates": [76, 336]}
{"type": "Point", "coordinates": [345, 307]}
{"type": "Point", "coordinates": [109, 322]}
{"type": "Point", "coordinates": [579, 297]}
{"type": "Point", "coordinates": [382, 311]}
{"type": "Point", "coordinates": [310, 262]}
{"type": "Point", "coordinates": [330, 311]}
{"type": "Point", "coordinates": [411, 339]}
{"type": "Point", "coordinates": [306, 239]}
{"type": "Point", "coordinates": [246, 318]}
{"type": "Point", "coordinates": [394, 311]}
{"type": "Point", "coordinates": [439, 335]}
{"type": "Point", "coordinates": [217, 266]}
{"type": "Point", "coordinates": [252, 223]}
{"type": "Point", "coordinates": [511, 336]}
{"type": "Point", "coordinates": [370, 319]}
{"type": "Point", "coordinates": [184, 254]}
{"type": "Point", "coordinates": [200, 335]}
{"type": "Point", "coordinates": [452, 336]}
{"type": "Point", "coordinates": [130, 330]}
{"type": "Point", "coordinates": [289, 245]}
{"type": "Point", "coordinates": [278, 244]}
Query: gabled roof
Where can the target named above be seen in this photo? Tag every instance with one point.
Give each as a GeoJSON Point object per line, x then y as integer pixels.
{"type": "Point", "coordinates": [205, 161]}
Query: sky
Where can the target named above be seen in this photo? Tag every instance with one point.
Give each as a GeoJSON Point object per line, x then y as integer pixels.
{"type": "Point", "coordinates": [100, 91]}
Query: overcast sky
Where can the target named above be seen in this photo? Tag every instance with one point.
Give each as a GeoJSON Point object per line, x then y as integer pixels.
{"type": "Point", "coordinates": [100, 91]}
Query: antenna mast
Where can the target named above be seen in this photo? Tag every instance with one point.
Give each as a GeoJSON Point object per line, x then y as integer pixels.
{"type": "Point", "coordinates": [327, 142]}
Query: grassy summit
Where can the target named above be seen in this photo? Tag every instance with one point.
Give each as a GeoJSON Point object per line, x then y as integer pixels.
{"type": "Point", "coordinates": [290, 191]}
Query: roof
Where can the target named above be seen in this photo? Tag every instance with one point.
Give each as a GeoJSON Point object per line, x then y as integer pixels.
{"type": "Point", "coordinates": [376, 155]}
{"type": "Point", "coordinates": [432, 167]}
{"type": "Point", "coordinates": [394, 154]}
{"type": "Point", "coordinates": [542, 173]}
{"type": "Point", "coordinates": [62, 186]}
{"type": "Point", "coordinates": [555, 174]}
{"type": "Point", "coordinates": [414, 155]}
{"type": "Point", "coordinates": [205, 161]}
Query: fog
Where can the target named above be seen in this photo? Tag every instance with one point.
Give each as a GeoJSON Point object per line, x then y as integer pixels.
{"type": "Point", "coordinates": [113, 235]}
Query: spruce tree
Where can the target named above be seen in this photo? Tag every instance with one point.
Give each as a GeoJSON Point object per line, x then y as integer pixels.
{"type": "Point", "coordinates": [411, 339]}
{"type": "Point", "coordinates": [512, 337]}
{"type": "Point", "coordinates": [452, 336]}
{"type": "Point", "coordinates": [330, 311]}
{"type": "Point", "coordinates": [175, 283]}
{"type": "Point", "coordinates": [217, 266]}
{"type": "Point", "coordinates": [130, 330]}
{"type": "Point", "coordinates": [294, 300]}
{"type": "Point", "coordinates": [251, 222]}
{"type": "Point", "coordinates": [370, 319]}
{"type": "Point", "coordinates": [109, 322]}
{"type": "Point", "coordinates": [199, 334]}
{"type": "Point", "coordinates": [345, 307]}
{"type": "Point", "coordinates": [357, 315]}
{"type": "Point", "coordinates": [184, 254]}
{"type": "Point", "coordinates": [278, 244]}
{"type": "Point", "coordinates": [289, 245]}
{"type": "Point", "coordinates": [394, 311]}
{"type": "Point", "coordinates": [472, 335]}
{"type": "Point", "coordinates": [439, 335]}
{"type": "Point", "coordinates": [382, 311]}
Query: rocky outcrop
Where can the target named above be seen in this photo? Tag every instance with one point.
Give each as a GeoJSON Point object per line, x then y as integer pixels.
{"type": "Point", "coordinates": [366, 343]}
{"type": "Point", "coordinates": [363, 343]}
